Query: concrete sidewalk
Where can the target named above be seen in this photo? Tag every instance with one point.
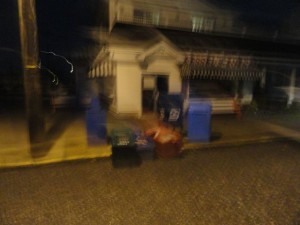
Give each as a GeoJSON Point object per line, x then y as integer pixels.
{"type": "Point", "coordinates": [226, 130]}
{"type": "Point", "coordinates": [71, 141]}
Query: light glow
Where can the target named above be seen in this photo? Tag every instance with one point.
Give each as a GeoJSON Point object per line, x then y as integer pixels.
{"type": "Point", "coordinates": [60, 56]}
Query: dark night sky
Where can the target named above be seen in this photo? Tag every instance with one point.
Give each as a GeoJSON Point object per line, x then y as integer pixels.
{"type": "Point", "coordinates": [9, 39]}
{"type": "Point", "coordinates": [60, 21]}
{"type": "Point", "coordinates": [59, 27]}
{"type": "Point", "coordinates": [260, 11]}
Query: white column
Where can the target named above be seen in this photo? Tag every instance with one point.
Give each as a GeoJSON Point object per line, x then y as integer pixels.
{"type": "Point", "coordinates": [236, 89]}
{"type": "Point", "coordinates": [291, 89]}
{"type": "Point", "coordinates": [247, 92]}
{"type": "Point", "coordinates": [262, 82]}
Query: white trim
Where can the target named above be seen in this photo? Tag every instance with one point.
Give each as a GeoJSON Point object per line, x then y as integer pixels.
{"type": "Point", "coordinates": [161, 49]}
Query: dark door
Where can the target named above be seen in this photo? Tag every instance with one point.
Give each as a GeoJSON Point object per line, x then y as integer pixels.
{"type": "Point", "coordinates": [148, 100]}
{"type": "Point", "coordinates": [162, 84]}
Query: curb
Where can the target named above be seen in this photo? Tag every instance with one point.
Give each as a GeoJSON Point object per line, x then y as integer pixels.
{"type": "Point", "coordinates": [231, 143]}
{"type": "Point", "coordinates": [188, 146]}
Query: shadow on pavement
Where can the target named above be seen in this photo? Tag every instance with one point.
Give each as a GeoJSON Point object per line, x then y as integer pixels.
{"type": "Point", "coordinates": [215, 136]}
{"type": "Point", "coordinates": [59, 123]}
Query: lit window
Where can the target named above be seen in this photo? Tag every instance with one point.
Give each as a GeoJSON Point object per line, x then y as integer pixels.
{"type": "Point", "coordinates": [202, 24]}
{"type": "Point", "coordinates": [146, 17]}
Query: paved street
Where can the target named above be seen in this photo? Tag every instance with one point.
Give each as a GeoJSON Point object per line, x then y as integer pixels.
{"type": "Point", "coordinates": [250, 185]}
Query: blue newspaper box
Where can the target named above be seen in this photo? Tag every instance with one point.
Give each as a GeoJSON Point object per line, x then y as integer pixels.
{"type": "Point", "coordinates": [170, 109]}
{"type": "Point", "coordinates": [199, 121]}
{"type": "Point", "coordinates": [95, 119]}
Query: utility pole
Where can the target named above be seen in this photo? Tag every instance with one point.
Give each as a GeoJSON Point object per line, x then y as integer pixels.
{"type": "Point", "coordinates": [31, 73]}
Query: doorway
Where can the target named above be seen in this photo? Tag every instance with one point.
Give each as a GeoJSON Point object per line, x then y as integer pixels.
{"type": "Point", "coordinates": [152, 87]}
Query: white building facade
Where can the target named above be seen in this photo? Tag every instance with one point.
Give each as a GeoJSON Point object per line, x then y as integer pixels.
{"type": "Point", "coordinates": [175, 47]}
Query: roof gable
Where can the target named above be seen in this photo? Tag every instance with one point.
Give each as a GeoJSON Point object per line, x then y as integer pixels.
{"type": "Point", "coordinates": [161, 50]}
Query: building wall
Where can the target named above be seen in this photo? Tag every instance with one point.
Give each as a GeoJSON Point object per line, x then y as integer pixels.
{"type": "Point", "coordinates": [128, 99]}
{"type": "Point", "coordinates": [189, 15]}
{"type": "Point", "coordinates": [247, 92]}
{"type": "Point", "coordinates": [132, 66]}
{"type": "Point", "coordinates": [170, 68]}
{"type": "Point", "coordinates": [112, 13]}
{"type": "Point", "coordinates": [128, 89]}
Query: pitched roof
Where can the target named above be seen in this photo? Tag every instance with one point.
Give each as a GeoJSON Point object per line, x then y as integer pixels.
{"type": "Point", "coordinates": [132, 35]}
{"type": "Point", "coordinates": [189, 41]}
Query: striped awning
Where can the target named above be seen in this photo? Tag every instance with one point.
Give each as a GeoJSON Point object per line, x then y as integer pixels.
{"type": "Point", "coordinates": [106, 68]}
{"type": "Point", "coordinates": [220, 67]}
{"type": "Point", "coordinates": [221, 74]}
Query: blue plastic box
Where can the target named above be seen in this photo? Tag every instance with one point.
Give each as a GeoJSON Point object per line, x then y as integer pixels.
{"type": "Point", "coordinates": [199, 121]}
